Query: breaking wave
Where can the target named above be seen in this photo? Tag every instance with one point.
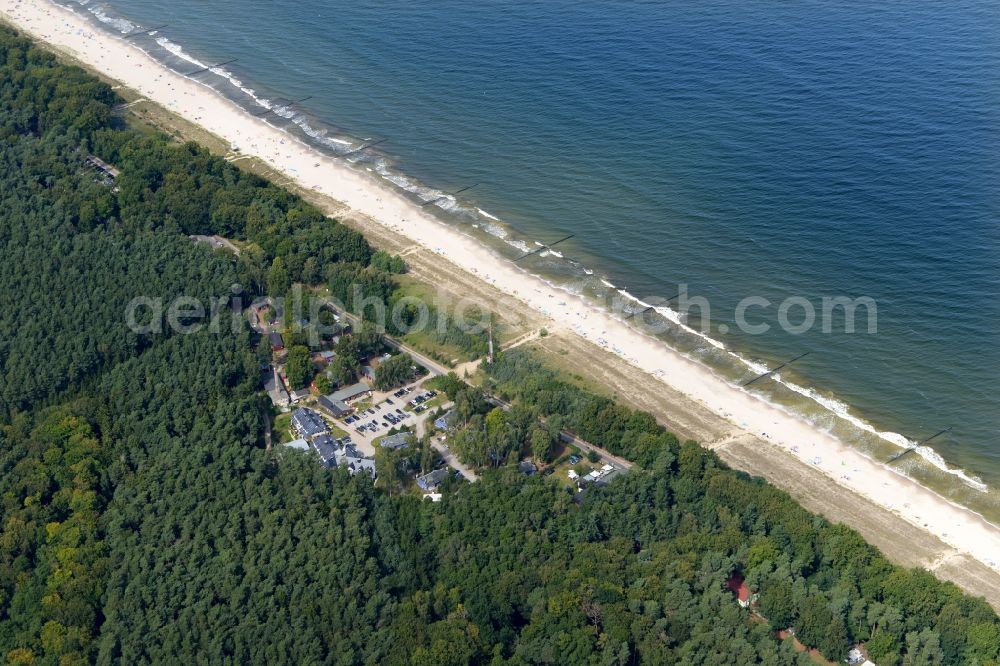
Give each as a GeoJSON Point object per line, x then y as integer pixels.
{"type": "Point", "coordinates": [347, 148]}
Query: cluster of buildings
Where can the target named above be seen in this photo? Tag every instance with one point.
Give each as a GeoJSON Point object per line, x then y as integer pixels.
{"type": "Point", "coordinates": [315, 435]}
{"type": "Point", "coordinates": [278, 392]}
{"type": "Point", "coordinates": [602, 476]}
{"type": "Point", "coordinates": [338, 403]}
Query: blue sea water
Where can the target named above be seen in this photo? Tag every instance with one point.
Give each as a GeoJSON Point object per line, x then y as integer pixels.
{"type": "Point", "coordinates": [774, 149]}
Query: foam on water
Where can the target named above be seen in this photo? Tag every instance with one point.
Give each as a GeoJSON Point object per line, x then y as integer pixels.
{"type": "Point", "coordinates": [321, 135]}
{"type": "Point", "coordinates": [832, 405]}
{"type": "Point", "coordinates": [843, 411]}
{"type": "Point", "coordinates": [495, 230]}
{"type": "Point", "coordinates": [667, 313]}
{"type": "Point", "coordinates": [519, 245]}
{"type": "Point", "coordinates": [118, 23]}
{"type": "Point", "coordinates": [326, 139]}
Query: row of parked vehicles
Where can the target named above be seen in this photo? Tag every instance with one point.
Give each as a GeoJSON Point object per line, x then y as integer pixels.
{"type": "Point", "coordinates": [390, 417]}
{"type": "Point", "coordinates": [417, 402]}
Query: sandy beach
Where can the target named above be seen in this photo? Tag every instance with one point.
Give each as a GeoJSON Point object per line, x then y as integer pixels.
{"type": "Point", "coordinates": [749, 418]}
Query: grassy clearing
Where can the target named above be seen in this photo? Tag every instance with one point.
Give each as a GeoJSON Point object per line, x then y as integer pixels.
{"type": "Point", "coordinates": [282, 428]}
{"type": "Point", "coordinates": [559, 358]}
{"type": "Point", "coordinates": [431, 339]}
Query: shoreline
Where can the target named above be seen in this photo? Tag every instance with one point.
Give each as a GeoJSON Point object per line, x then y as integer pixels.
{"type": "Point", "coordinates": [811, 403]}
{"type": "Point", "coordinates": [748, 415]}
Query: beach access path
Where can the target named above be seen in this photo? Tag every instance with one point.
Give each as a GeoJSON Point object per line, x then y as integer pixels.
{"type": "Point", "coordinates": [700, 403]}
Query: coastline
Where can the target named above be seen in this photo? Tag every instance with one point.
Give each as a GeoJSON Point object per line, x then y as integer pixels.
{"type": "Point", "coordinates": [850, 424]}
{"type": "Point", "coordinates": [566, 315]}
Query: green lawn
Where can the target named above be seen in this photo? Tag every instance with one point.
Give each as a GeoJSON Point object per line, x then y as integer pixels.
{"type": "Point", "coordinates": [281, 431]}
{"type": "Point", "coordinates": [425, 341]}
{"type": "Point", "coordinates": [436, 402]}
{"type": "Point", "coordinates": [336, 431]}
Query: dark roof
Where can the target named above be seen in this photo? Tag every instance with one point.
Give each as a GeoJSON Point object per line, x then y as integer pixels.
{"type": "Point", "coordinates": [337, 408]}
{"type": "Point", "coordinates": [326, 447]}
{"type": "Point", "coordinates": [275, 339]}
{"type": "Point", "coordinates": [98, 163]}
{"type": "Point", "coordinates": [349, 392]}
{"type": "Point", "coordinates": [432, 480]}
{"type": "Point", "coordinates": [527, 467]}
{"type": "Point", "coordinates": [446, 421]}
{"type": "Point", "coordinates": [394, 441]}
{"type": "Point", "coordinates": [308, 422]}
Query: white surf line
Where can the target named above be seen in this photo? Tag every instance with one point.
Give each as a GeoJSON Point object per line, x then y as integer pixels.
{"type": "Point", "coordinates": [960, 527]}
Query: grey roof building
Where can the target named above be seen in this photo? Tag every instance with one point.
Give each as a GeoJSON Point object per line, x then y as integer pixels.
{"type": "Point", "coordinates": [352, 459]}
{"type": "Point", "coordinates": [300, 444]}
{"type": "Point", "coordinates": [432, 480]}
{"type": "Point", "coordinates": [308, 423]}
{"type": "Point", "coordinates": [355, 465]}
{"type": "Point", "coordinates": [350, 392]}
{"type": "Point", "coordinates": [336, 408]}
{"type": "Point", "coordinates": [446, 421]}
{"type": "Point", "coordinates": [397, 441]}
{"type": "Point", "coordinates": [326, 447]}
{"type": "Point", "coordinates": [299, 395]}
{"type": "Point", "coordinates": [275, 388]}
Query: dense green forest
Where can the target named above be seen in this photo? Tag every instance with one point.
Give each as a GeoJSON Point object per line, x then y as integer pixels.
{"type": "Point", "coordinates": [144, 521]}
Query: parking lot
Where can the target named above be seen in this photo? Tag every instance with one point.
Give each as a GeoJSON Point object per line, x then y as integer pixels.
{"type": "Point", "coordinates": [404, 407]}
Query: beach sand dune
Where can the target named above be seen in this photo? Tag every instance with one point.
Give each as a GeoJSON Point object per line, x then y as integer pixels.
{"type": "Point", "coordinates": [717, 410]}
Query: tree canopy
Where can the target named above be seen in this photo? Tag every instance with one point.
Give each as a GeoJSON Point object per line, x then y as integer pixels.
{"type": "Point", "coordinates": [145, 521]}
